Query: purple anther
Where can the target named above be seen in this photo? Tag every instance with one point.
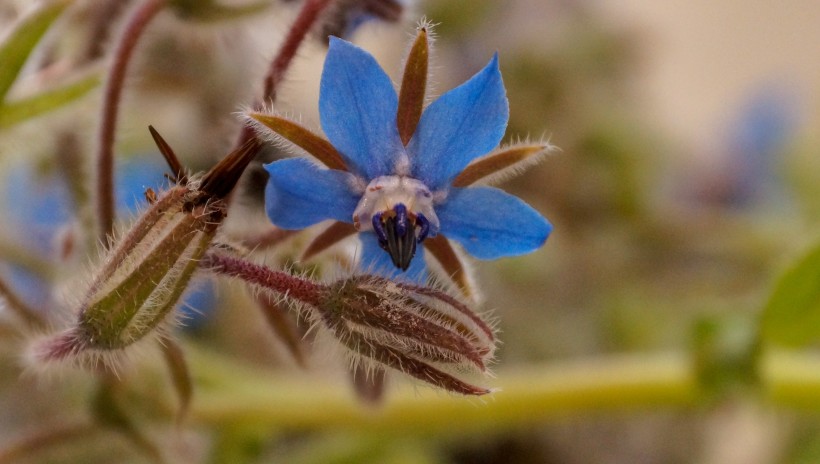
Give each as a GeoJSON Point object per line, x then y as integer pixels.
{"type": "Point", "coordinates": [378, 228]}
{"type": "Point", "coordinates": [424, 226]}
{"type": "Point", "coordinates": [401, 219]}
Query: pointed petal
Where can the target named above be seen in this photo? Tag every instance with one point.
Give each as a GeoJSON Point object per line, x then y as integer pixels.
{"type": "Point", "coordinates": [462, 124]}
{"type": "Point", "coordinates": [490, 223]}
{"type": "Point", "coordinates": [303, 138]}
{"type": "Point", "coordinates": [501, 164]}
{"type": "Point", "coordinates": [443, 251]}
{"type": "Point", "coordinates": [413, 87]}
{"type": "Point", "coordinates": [357, 107]}
{"type": "Point", "coordinates": [299, 194]}
{"type": "Point", "coordinates": [337, 232]}
{"type": "Point", "coordinates": [376, 261]}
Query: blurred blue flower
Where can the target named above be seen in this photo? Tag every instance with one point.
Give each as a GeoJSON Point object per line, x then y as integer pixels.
{"type": "Point", "coordinates": [398, 195]}
{"type": "Point", "coordinates": [347, 16]}
{"type": "Point", "coordinates": [758, 137]}
{"type": "Point", "coordinates": [39, 205]}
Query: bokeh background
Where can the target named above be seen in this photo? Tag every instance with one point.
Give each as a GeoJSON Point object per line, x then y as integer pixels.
{"type": "Point", "coordinates": [687, 179]}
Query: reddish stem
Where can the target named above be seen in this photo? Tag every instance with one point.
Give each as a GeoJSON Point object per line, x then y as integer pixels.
{"type": "Point", "coordinates": [310, 12]}
{"type": "Point", "coordinates": [298, 288]}
{"type": "Point", "coordinates": [112, 94]}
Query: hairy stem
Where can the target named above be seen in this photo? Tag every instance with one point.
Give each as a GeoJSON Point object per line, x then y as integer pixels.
{"type": "Point", "coordinates": [310, 12]}
{"type": "Point", "coordinates": [298, 288]}
{"type": "Point", "coordinates": [112, 94]}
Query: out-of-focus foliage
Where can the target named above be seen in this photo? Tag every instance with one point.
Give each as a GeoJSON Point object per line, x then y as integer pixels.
{"type": "Point", "coordinates": [649, 255]}
{"type": "Point", "coordinates": [792, 315]}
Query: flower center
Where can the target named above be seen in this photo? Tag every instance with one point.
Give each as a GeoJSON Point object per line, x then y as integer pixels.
{"type": "Point", "coordinates": [400, 211]}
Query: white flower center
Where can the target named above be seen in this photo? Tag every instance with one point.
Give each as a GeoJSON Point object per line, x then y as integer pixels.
{"type": "Point", "coordinates": [399, 210]}
{"type": "Point", "coordinates": [384, 193]}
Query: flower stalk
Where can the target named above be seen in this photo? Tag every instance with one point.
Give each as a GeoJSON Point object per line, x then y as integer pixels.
{"type": "Point", "coordinates": [112, 94]}
{"type": "Point", "coordinates": [308, 16]}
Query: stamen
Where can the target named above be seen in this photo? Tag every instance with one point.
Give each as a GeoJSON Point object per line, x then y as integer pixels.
{"type": "Point", "coordinates": [378, 228]}
{"type": "Point", "coordinates": [424, 227]}
{"type": "Point", "coordinates": [396, 230]}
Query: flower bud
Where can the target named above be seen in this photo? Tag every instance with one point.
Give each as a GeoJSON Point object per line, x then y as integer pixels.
{"type": "Point", "coordinates": [146, 272]}
{"type": "Point", "coordinates": [420, 331]}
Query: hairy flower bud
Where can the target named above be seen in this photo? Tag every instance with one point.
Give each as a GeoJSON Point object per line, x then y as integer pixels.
{"type": "Point", "coordinates": [146, 272]}
{"type": "Point", "coordinates": [420, 331]}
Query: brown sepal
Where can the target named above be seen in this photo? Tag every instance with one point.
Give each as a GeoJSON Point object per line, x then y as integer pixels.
{"type": "Point", "coordinates": [303, 138]}
{"type": "Point", "coordinates": [443, 251]}
{"type": "Point", "coordinates": [180, 374]}
{"type": "Point", "coordinates": [495, 163]}
{"type": "Point", "coordinates": [282, 326]}
{"type": "Point", "coordinates": [222, 178]}
{"type": "Point", "coordinates": [329, 237]}
{"type": "Point", "coordinates": [413, 87]}
{"type": "Point", "coordinates": [170, 157]}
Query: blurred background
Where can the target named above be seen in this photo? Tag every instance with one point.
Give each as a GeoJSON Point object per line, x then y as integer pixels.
{"type": "Point", "coordinates": [686, 182]}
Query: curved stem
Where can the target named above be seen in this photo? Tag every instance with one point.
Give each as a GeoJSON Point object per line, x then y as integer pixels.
{"type": "Point", "coordinates": [112, 95]}
{"type": "Point", "coordinates": [307, 17]}
{"type": "Point", "coordinates": [297, 288]}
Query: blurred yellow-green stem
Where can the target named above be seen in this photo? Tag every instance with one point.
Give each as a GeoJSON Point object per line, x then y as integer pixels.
{"type": "Point", "coordinates": [228, 393]}
{"type": "Point", "coordinates": [791, 378]}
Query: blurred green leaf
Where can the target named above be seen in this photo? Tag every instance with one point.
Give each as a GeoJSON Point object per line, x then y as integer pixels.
{"type": "Point", "coordinates": [18, 46]}
{"type": "Point", "coordinates": [20, 110]}
{"type": "Point", "coordinates": [792, 315]}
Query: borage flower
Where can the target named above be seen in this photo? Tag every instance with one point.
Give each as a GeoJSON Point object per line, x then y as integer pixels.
{"type": "Point", "coordinates": [400, 174]}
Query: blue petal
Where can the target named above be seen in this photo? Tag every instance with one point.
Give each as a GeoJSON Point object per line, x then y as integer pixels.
{"type": "Point", "coordinates": [357, 108]}
{"type": "Point", "coordinates": [376, 261]}
{"type": "Point", "coordinates": [490, 223]}
{"type": "Point", "coordinates": [300, 194]}
{"type": "Point", "coordinates": [463, 124]}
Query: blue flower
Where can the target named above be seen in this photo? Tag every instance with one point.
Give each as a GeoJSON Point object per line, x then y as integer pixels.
{"type": "Point", "coordinates": [402, 174]}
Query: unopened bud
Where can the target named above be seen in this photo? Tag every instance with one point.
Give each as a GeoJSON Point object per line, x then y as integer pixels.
{"type": "Point", "coordinates": [146, 272]}
{"type": "Point", "coordinates": [420, 331]}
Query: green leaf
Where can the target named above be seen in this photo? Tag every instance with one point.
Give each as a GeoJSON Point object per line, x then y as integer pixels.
{"type": "Point", "coordinates": [792, 315]}
{"type": "Point", "coordinates": [36, 105]}
{"type": "Point", "coordinates": [18, 46]}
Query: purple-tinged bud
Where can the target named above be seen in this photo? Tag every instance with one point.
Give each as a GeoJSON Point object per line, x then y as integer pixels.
{"type": "Point", "coordinates": [419, 321]}
{"type": "Point", "coordinates": [420, 331]}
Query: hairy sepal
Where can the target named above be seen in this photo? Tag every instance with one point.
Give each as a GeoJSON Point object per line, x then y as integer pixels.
{"type": "Point", "coordinates": [502, 164]}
